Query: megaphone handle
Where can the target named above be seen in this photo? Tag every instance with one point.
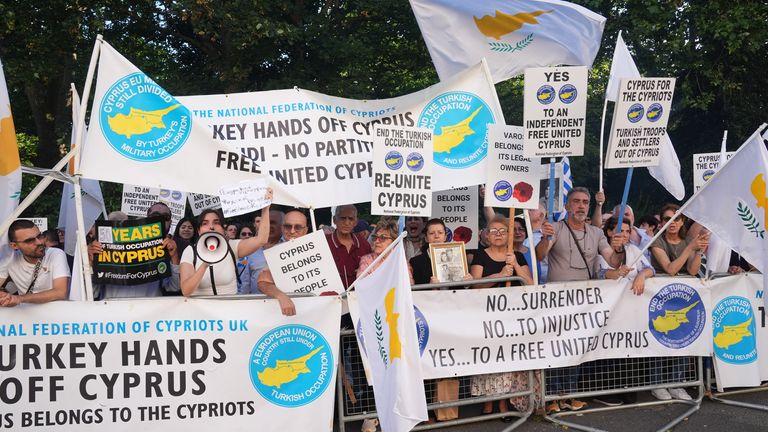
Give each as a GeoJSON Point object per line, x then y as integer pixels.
{"type": "Point", "coordinates": [213, 281]}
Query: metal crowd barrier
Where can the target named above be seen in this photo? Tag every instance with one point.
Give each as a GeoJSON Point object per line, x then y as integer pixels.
{"type": "Point", "coordinates": [355, 400]}
{"type": "Point", "coordinates": [617, 376]}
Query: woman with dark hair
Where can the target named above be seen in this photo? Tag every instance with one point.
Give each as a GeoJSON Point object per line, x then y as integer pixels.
{"type": "Point", "coordinates": [639, 272]}
{"type": "Point", "coordinates": [246, 231]}
{"type": "Point", "coordinates": [421, 265]}
{"type": "Point", "coordinates": [673, 252]}
{"type": "Point", "coordinates": [185, 232]}
{"type": "Point", "coordinates": [495, 262]}
{"type": "Point", "coordinates": [195, 277]}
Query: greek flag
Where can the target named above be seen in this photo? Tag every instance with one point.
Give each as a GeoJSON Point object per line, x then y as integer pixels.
{"type": "Point", "coordinates": [567, 186]}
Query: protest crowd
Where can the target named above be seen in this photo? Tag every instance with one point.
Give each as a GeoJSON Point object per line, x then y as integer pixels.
{"type": "Point", "coordinates": [380, 256]}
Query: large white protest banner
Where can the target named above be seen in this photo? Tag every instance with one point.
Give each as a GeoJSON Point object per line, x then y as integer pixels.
{"type": "Point", "coordinates": [138, 199]}
{"type": "Point", "coordinates": [170, 365]}
{"type": "Point", "coordinates": [705, 165]}
{"type": "Point", "coordinates": [562, 324]}
{"type": "Point", "coordinates": [512, 180]}
{"type": "Point", "coordinates": [304, 265]}
{"type": "Point", "coordinates": [554, 111]}
{"type": "Point", "coordinates": [402, 171]}
{"type": "Point", "coordinates": [458, 208]}
{"type": "Point", "coordinates": [316, 148]}
{"type": "Point", "coordinates": [740, 340]}
{"type": "Point", "coordinates": [639, 122]}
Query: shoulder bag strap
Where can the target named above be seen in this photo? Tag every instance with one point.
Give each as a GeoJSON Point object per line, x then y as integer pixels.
{"type": "Point", "coordinates": [581, 252]}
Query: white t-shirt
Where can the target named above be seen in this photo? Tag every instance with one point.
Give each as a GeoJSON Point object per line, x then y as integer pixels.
{"type": "Point", "coordinates": [632, 252]}
{"type": "Point", "coordinates": [54, 266]}
{"type": "Point", "coordinates": [223, 272]}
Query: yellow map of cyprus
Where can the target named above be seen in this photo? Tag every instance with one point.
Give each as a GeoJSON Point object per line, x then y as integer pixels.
{"type": "Point", "coordinates": [672, 319]}
{"type": "Point", "coordinates": [138, 121]}
{"type": "Point", "coordinates": [732, 334]}
{"type": "Point", "coordinates": [452, 135]}
{"type": "Point", "coordinates": [286, 371]}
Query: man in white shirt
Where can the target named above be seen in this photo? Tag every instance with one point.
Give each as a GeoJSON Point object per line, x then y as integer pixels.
{"type": "Point", "coordinates": [39, 275]}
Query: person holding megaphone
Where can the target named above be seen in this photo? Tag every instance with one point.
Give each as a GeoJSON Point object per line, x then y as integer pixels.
{"type": "Point", "coordinates": [209, 265]}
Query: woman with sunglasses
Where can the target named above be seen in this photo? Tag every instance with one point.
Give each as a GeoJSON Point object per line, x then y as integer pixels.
{"type": "Point", "coordinates": [383, 235]}
{"type": "Point", "coordinates": [494, 262]}
{"type": "Point", "coordinates": [673, 252]}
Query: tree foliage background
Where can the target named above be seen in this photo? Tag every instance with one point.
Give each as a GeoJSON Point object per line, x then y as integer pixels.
{"type": "Point", "coordinates": [371, 49]}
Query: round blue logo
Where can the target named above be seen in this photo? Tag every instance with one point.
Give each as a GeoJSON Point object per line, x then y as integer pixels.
{"type": "Point", "coordinates": [545, 94]}
{"type": "Point", "coordinates": [460, 122]}
{"type": "Point", "coordinates": [676, 316]}
{"type": "Point", "coordinates": [141, 121]}
{"type": "Point", "coordinates": [567, 93]}
{"type": "Point", "coordinates": [422, 331]}
{"type": "Point", "coordinates": [414, 162]}
{"type": "Point", "coordinates": [502, 190]}
{"type": "Point", "coordinates": [394, 160]}
{"type": "Point", "coordinates": [708, 174]}
{"type": "Point", "coordinates": [733, 328]}
{"type": "Point", "coordinates": [165, 193]}
{"type": "Point", "coordinates": [654, 113]}
{"type": "Point", "coordinates": [291, 365]}
{"type": "Point", "coordinates": [448, 234]}
{"type": "Point", "coordinates": [635, 113]}
{"type": "Point", "coordinates": [176, 195]}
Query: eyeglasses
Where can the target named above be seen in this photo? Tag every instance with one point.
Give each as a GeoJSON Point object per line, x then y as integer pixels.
{"type": "Point", "coordinates": [165, 216]}
{"type": "Point", "coordinates": [380, 237]}
{"type": "Point", "coordinates": [297, 227]}
{"type": "Point", "coordinates": [346, 218]}
{"type": "Point", "coordinates": [666, 219]}
{"type": "Point", "coordinates": [31, 240]}
{"type": "Point", "coordinates": [497, 231]}
{"type": "Point", "coordinates": [246, 234]}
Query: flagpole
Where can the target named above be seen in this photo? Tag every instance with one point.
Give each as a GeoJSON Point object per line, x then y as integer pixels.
{"type": "Point", "coordinates": [695, 194]}
{"type": "Point", "coordinates": [624, 200]}
{"type": "Point", "coordinates": [312, 218]}
{"type": "Point", "coordinates": [551, 194]}
{"type": "Point", "coordinates": [602, 133]}
{"type": "Point", "coordinates": [378, 258]}
{"type": "Point", "coordinates": [78, 197]}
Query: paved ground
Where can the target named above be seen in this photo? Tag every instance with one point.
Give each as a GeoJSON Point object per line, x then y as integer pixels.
{"type": "Point", "coordinates": [713, 416]}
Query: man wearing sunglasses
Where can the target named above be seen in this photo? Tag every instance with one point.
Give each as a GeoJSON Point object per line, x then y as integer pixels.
{"type": "Point", "coordinates": [39, 275]}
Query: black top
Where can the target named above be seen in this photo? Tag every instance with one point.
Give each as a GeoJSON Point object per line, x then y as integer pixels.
{"type": "Point", "coordinates": [491, 266]}
{"type": "Point", "coordinates": [422, 268]}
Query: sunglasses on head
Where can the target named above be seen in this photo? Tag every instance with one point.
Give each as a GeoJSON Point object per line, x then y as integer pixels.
{"type": "Point", "coordinates": [165, 216]}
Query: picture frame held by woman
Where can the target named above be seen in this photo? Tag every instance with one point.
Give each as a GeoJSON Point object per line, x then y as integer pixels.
{"type": "Point", "coordinates": [449, 261]}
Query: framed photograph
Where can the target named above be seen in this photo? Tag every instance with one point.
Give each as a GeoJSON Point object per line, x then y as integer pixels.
{"type": "Point", "coordinates": [449, 261]}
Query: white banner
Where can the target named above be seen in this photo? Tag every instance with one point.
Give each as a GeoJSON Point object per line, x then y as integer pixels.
{"type": "Point", "coordinates": [169, 364]}
{"type": "Point", "coordinates": [557, 325]}
{"type": "Point", "coordinates": [244, 197]}
{"type": "Point", "coordinates": [459, 208]}
{"type": "Point", "coordinates": [740, 340]}
{"type": "Point", "coordinates": [316, 148]}
{"type": "Point", "coordinates": [402, 171]}
{"type": "Point", "coordinates": [705, 165]}
{"type": "Point", "coordinates": [304, 265]}
{"type": "Point", "coordinates": [639, 122]}
{"type": "Point", "coordinates": [512, 180]}
{"type": "Point", "coordinates": [554, 111]}
{"type": "Point", "coordinates": [138, 199]}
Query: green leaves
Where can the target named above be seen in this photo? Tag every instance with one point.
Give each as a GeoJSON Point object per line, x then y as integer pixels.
{"type": "Point", "coordinates": [509, 48]}
{"type": "Point", "coordinates": [749, 220]}
{"type": "Point", "coordinates": [380, 337]}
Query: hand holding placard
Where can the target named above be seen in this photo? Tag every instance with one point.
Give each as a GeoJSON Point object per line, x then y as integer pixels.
{"type": "Point", "coordinates": [244, 197]}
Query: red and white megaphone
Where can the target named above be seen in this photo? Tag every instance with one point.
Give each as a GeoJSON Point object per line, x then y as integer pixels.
{"type": "Point", "coordinates": [211, 247]}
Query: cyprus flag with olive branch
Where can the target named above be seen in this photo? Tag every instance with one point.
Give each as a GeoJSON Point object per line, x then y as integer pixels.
{"type": "Point", "coordinates": [10, 164]}
{"type": "Point", "coordinates": [512, 36]}
{"type": "Point", "coordinates": [390, 342]}
{"type": "Point", "coordinates": [734, 202]}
